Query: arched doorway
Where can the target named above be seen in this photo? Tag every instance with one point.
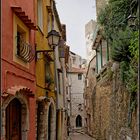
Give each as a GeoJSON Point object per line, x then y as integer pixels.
{"type": "Point", "coordinates": [13, 120]}
{"type": "Point", "coordinates": [78, 121]}
{"type": "Point", "coordinates": [40, 119]}
{"type": "Point", "coordinates": [15, 112]}
{"type": "Point", "coordinates": [51, 122]}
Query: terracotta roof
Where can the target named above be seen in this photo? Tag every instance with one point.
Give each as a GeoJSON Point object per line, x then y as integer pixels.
{"type": "Point", "coordinates": [23, 16]}
{"type": "Point", "coordinates": [77, 70]}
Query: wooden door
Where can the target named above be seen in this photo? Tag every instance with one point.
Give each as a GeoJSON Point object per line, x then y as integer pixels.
{"type": "Point", "coordinates": [13, 120]}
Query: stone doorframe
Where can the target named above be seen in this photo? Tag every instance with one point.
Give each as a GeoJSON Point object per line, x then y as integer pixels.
{"type": "Point", "coordinates": [53, 120]}
{"type": "Point", "coordinates": [42, 110]}
{"type": "Point", "coordinates": [24, 114]}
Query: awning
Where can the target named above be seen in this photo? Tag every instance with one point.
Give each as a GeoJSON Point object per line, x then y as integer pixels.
{"type": "Point", "coordinates": [23, 16]}
{"type": "Point", "coordinates": [15, 89]}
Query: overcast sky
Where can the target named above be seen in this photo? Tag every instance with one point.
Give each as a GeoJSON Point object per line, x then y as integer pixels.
{"type": "Point", "coordinates": [75, 14]}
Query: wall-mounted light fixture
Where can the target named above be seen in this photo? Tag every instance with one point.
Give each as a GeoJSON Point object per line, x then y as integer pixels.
{"type": "Point", "coordinates": [53, 41]}
{"type": "Point", "coordinates": [53, 38]}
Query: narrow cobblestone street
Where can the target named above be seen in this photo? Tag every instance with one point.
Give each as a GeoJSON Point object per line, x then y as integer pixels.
{"type": "Point", "coordinates": [80, 136]}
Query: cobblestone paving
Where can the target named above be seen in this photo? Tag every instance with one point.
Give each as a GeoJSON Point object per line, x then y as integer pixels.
{"type": "Point", "coordinates": [80, 136]}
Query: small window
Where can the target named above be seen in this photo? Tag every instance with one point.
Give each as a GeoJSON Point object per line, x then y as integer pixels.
{"type": "Point", "coordinates": [22, 46]}
{"type": "Point", "coordinates": [79, 76]}
{"type": "Point", "coordinates": [60, 83]}
{"type": "Point", "coordinates": [48, 75]}
{"type": "Point", "coordinates": [74, 60]}
{"type": "Point", "coordinates": [40, 14]}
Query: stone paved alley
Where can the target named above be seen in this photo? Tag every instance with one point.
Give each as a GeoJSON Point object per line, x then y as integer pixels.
{"type": "Point", "coordinates": [80, 136]}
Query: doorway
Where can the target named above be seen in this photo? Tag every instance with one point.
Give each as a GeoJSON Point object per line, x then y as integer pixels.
{"type": "Point", "coordinates": [51, 120]}
{"type": "Point", "coordinates": [78, 121]}
{"type": "Point", "coordinates": [13, 120]}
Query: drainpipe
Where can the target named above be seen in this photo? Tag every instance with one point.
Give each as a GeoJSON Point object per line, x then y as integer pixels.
{"type": "Point", "coordinates": [56, 90]}
{"type": "Point", "coordinates": [63, 77]}
{"type": "Point", "coordinates": [138, 97]}
{"type": "Point", "coordinates": [70, 103]}
{"type": "Point", "coordinates": [64, 103]}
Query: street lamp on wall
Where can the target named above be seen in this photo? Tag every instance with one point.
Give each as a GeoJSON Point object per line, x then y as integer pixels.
{"type": "Point", "coordinates": [53, 41]}
{"type": "Point", "coordinates": [53, 38]}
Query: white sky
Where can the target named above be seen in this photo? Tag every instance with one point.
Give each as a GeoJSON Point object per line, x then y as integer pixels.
{"type": "Point", "coordinates": [75, 14]}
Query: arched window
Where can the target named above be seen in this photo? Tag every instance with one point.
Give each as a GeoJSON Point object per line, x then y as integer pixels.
{"type": "Point", "coordinates": [78, 121]}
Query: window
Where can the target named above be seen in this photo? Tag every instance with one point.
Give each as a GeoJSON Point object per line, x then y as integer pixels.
{"type": "Point", "coordinates": [21, 38]}
{"type": "Point", "coordinates": [60, 82]}
{"type": "Point", "coordinates": [79, 76]}
{"type": "Point", "coordinates": [49, 22]}
{"type": "Point", "coordinates": [74, 60]}
{"type": "Point", "coordinates": [40, 14]}
{"type": "Point", "coordinates": [48, 75]}
{"type": "Point", "coordinates": [23, 49]}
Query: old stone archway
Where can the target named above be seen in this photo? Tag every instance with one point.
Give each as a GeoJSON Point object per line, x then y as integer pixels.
{"type": "Point", "coordinates": [15, 112]}
{"type": "Point", "coordinates": [13, 120]}
{"type": "Point", "coordinates": [51, 122]}
{"type": "Point", "coordinates": [40, 120]}
{"type": "Point", "coordinates": [78, 121]}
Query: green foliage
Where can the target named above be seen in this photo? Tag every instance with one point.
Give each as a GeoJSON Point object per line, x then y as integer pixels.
{"type": "Point", "coordinates": [120, 46]}
{"type": "Point", "coordinates": [124, 67]}
{"type": "Point", "coordinates": [123, 41]}
{"type": "Point", "coordinates": [133, 48]}
{"type": "Point", "coordinates": [113, 17]}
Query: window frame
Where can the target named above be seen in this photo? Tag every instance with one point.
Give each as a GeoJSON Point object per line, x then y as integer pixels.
{"type": "Point", "coordinates": [79, 76]}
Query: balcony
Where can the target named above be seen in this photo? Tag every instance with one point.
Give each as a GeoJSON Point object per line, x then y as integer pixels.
{"type": "Point", "coordinates": [24, 50]}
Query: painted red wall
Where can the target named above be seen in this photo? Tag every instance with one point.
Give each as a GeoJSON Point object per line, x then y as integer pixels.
{"type": "Point", "coordinates": [14, 74]}
{"type": "Point", "coordinates": [7, 35]}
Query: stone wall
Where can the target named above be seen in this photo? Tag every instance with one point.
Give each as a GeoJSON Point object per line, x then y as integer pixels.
{"type": "Point", "coordinates": [101, 114]}
{"type": "Point", "coordinates": [111, 108]}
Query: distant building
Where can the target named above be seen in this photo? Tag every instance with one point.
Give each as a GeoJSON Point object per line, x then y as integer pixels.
{"type": "Point", "coordinates": [100, 4]}
{"type": "Point", "coordinates": [76, 76]}
{"type": "Point", "coordinates": [89, 36]}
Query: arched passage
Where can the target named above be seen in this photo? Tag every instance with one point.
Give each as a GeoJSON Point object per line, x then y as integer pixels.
{"type": "Point", "coordinates": [16, 112]}
{"type": "Point", "coordinates": [51, 120]}
{"type": "Point", "coordinates": [78, 121]}
{"type": "Point", "coordinates": [40, 118]}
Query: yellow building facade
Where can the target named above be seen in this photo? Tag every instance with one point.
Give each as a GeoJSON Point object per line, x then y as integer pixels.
{"type": "Point", "coordinates": [45, 93]}
{"type": "Point", "coordinates": [49, 110]}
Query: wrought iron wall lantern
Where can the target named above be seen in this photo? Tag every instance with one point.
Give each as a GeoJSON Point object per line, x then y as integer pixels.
{"type": "Point", "coordinates": [53, 38]}
{"type": "Point", "coordinates": [53, 41]}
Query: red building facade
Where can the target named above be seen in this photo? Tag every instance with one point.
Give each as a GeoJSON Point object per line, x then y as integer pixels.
{"type": "Point", "coordinates": [18, 70]}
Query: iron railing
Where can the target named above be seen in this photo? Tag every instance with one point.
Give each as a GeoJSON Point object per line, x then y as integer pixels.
{"type": "Point", "coordinates": [24, 50]}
